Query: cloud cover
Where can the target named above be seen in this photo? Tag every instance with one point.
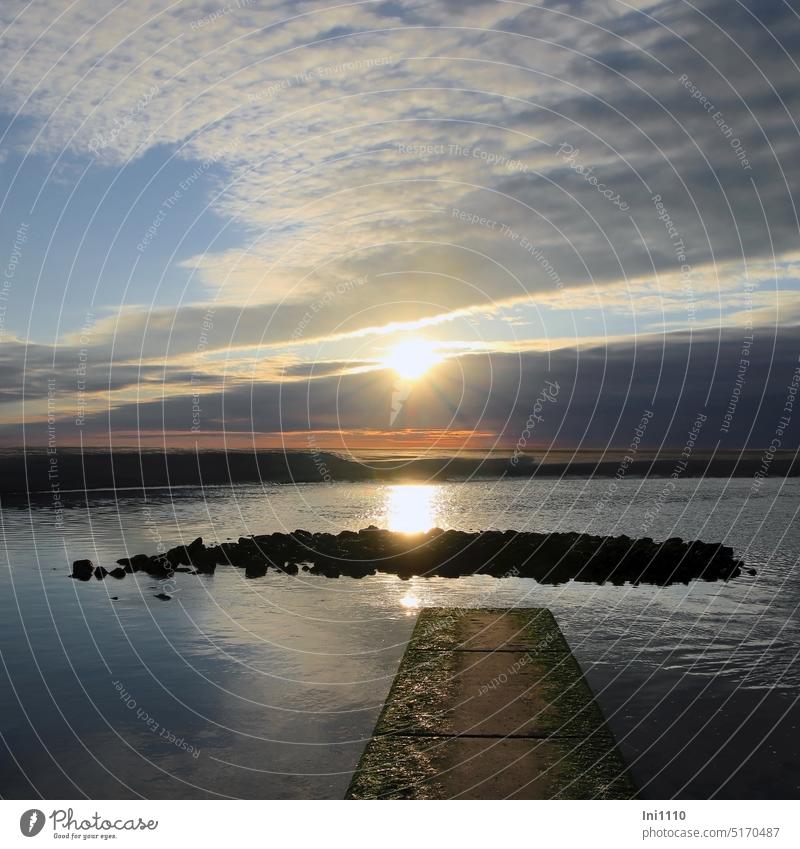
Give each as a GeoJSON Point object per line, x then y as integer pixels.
{"type": "Point", "coordinates": [459, 159]}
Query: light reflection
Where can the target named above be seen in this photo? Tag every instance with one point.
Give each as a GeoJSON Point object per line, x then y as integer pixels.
{"type": "Point", "coordinates": [411, 508]}
{"type": "Point", "coordinates": [410, 601]}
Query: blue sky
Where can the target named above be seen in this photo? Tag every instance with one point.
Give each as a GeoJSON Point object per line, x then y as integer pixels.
{"type": "Point", "coordinates": [223, 199]}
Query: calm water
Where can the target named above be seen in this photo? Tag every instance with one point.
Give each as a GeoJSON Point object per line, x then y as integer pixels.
{"type": "Point", "coordinates": [269, 687]}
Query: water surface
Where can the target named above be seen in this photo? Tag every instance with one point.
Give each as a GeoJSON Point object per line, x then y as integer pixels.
{"type": "Point", "coordinates": [269, 687]}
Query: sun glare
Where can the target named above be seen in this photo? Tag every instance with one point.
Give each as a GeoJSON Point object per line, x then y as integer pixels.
{"type": "Point", "coordinates": [410, 601]}
{"type": "Point", "coordinates": [411, 358]}
{"type": "Point", "coordinates": [411, 508]}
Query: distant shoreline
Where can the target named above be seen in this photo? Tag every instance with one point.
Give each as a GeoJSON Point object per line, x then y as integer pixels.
{"type": "Point", "coordinates": [36, 472]}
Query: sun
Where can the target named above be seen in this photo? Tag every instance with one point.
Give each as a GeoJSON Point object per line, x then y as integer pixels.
{"type": "Point", "coordinates": [411, 358]}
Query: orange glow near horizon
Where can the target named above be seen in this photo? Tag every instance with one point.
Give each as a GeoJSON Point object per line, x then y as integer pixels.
{"type": "Point", "coordinates": [342, 441]}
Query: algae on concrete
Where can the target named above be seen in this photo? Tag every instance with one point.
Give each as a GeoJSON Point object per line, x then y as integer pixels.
{"type": "Point", "coordinates": [490, 704]}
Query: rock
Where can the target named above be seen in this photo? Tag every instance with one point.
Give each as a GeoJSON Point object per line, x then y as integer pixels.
{"type": "Point", "coordinates": [323, 566]}
{"type": "Point", "coordinates": [163, 596]}
{"type": "Point", "coordinates": [184, 555]}
{"type": "Point", "coordinates": [205, 566]}
{"type": "Point", "coordinates": [100, 572]}
{"type": "Point", "coordinates": [135, 563]}
{"type": "Point", "coordinates": [82, 570]}
{"type": "Point", "coordinates": [255, 569]}
{"type": "Point", "coordinates": [118, 573]}
{"type": "Point", "coordinates": [553, 558]}
{"type": "Point", "coordinates": [159, 566]}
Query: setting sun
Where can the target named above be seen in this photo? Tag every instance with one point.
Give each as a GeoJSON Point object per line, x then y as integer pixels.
{"type": "Point", "coordinates": [411, 358]}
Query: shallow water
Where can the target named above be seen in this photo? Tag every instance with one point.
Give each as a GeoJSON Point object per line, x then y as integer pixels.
{"type": "Point", "coordinates": [269, 687]}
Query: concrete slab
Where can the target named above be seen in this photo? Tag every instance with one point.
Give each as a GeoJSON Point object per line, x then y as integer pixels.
{"type": "Point", "coordinates": [490, 768]}
{"type": "Point", "coordinates": [531, 629]}
{"type": "Point", "coordinates": [501, 693]}
{"type": "Point", "coordinates": [490, 704]}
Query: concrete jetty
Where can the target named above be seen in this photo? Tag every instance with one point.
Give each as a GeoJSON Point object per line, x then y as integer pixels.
{"type": "Point", "coordinates": [490, 704]}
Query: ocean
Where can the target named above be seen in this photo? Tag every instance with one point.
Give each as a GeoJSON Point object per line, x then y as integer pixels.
{"type": "Point", "coordinates": [269, 688]}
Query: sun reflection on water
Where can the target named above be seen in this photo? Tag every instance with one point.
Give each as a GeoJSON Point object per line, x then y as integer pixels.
{"type": "Point", "coordinates": [410, 601]}
{"type": "Point", "coordinates": [411, 508]}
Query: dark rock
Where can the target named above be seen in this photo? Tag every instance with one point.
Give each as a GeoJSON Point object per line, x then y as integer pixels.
{"type": "Point", "coordinates": [82, 570]}
{"type": "Point", "coordinates": [548, 558]}
{"type": "Point", "coordinates": [163, 596]}
{"type": "Point", "coordinates": [207, 566]}
{"type": "Point", "coordinates": [118, 573]}
{"type": "Point", "coordinates": [255, 568]}
{"type": "Point", "coordinates": [186, 555]}
{"type": "Point", "coordinates": [100, 572]}
{"type": "Point", "coordinates": [325, 567]}
{"type": "Point", "coordinates": [159, 566]}
{"type": "Point", "coordinates": [135, 563]}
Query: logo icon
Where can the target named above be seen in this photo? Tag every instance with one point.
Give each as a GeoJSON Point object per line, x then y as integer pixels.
{"type": "Point", "coordinates": [400, 392]}
{"type": "Point", "coordinates": [31, 822]}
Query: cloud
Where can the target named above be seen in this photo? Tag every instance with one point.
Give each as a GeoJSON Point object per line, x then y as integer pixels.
{"type": "Point", "coordinates": [739, 381]}
{"type": "Point", "coordinates": [461, 166]}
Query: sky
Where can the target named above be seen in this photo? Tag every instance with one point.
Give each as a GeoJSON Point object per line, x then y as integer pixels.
{"type": "Point", "coordinates": [218, 222]}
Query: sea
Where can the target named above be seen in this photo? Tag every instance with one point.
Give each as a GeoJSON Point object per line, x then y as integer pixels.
{"type": "Point", "coordinates": [270, 687]}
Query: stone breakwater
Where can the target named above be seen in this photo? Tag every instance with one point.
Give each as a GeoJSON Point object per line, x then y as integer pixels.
{"type": "Point", "coordinates": [548, 558]}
